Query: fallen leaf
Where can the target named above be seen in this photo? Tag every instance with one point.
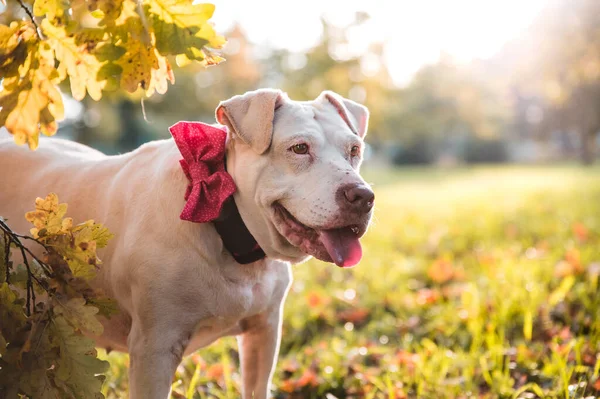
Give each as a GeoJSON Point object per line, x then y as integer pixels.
{"type": "Point", "coordinates": [441, 271]}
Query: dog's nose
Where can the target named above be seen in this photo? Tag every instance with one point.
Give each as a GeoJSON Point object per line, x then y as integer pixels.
{"type": "Point", "coordinates": [360, 197]}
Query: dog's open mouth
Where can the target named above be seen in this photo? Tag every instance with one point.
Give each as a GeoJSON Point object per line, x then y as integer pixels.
{"type": "Point", "coordinates": [339, 245]}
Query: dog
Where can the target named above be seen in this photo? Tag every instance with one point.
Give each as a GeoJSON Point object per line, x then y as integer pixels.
{"type": "Point", "coordinates": [298, 192]}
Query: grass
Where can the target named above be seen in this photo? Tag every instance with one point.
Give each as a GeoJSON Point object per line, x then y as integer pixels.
{"type": "Point", "coordinates": [475, 283]}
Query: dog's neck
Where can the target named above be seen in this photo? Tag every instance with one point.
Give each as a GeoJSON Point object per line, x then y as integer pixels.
{"type": "Point", "coordinates": [236, 237]}
{"type": "Point", "coordinates": [229, 227]}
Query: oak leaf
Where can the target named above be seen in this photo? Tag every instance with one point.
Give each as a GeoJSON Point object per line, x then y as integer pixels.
{"type": "Point", "coordinates": [78, 368]}
{"type": "Point", "coordinates": [80, 315]}
{"type": "Point", "coordinates": [75, 60]}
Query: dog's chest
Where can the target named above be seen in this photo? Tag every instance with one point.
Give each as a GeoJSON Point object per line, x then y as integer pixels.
{"type": "Point", "coordinates": [239, 298]}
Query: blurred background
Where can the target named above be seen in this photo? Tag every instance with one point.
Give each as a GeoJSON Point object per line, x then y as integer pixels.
{"type": "Point", "coordinates": [477, 281]}
{"type": "Point", "coordinates": [447, 83]}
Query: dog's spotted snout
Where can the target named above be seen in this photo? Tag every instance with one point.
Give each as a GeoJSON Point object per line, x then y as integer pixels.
{"type": "Point", "coordinates": [358, 198]}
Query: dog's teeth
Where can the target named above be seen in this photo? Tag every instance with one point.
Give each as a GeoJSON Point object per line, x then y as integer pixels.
{"type": "Point", "coordinates": [354, 229]}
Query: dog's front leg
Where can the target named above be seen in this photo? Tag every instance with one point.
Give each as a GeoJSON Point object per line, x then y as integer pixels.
{"type": "Point", "coordinates": [259, 347]}
{"type": "Point", "coordinates": [155, 352]}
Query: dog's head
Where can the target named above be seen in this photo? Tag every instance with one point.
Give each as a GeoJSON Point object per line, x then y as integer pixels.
{"type": "Point", "coordinates": [296, 167]}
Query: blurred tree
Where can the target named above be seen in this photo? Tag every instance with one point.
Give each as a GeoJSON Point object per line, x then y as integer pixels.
{"type": "Point", "coordinates": [444, 107]}
{"type": "Point", "coordinates": [563, 66]}
{"type": "Point", "coordinates": [331, 65]}
{"type": "Point", "coordinates": [443, 104]}
{"type": "Point", "coordinates": [198, 90]}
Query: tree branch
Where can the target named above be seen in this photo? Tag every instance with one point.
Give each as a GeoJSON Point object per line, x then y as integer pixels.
{"type": "Point", "coordinates": [12, 237]}
{"type": "Point", "coordinates": [30, 14]}
{"type": "Point", "coordinates": [6, 255]}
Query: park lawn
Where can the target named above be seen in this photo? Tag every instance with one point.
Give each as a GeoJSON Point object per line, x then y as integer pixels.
{"type": "Point", "coordinates": [475, 282]}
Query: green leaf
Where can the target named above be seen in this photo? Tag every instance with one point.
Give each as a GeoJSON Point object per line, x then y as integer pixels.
{"type": "Point", "coordinates": [110, 72]}
{"type": "Point", "coordinates": [109, 52]}
{"type": "Point", "coordinates": [182, 27]}
{"type": "Point", "coordinates": [19, 276]}
{"type": "Point", "coordinates": [107, 307]}
{"type": "Point", "coordinates": [2, 345]}
{"type": "Point", "coordinates": [100, 234]}
{"type": "Point", "coordinates": [78, 369]}
{"type": "Point", "coordinates": [80, 264]}
{"type": "Point", "coordinates": [80, 315]}
{"type": "Point", "coordinates": [37, 384]}
{"type": "Point", "coordinates": [11, 308]}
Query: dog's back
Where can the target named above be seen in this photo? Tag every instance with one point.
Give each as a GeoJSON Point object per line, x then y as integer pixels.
{"type": "Point", "coordinates": [57, 165]}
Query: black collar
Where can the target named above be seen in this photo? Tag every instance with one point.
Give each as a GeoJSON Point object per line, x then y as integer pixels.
{"type": "Point", "coordinates": [235, 235]}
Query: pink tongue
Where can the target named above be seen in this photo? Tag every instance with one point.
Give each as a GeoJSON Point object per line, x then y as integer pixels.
{"type": "Point", "coordinates": [342, 245]}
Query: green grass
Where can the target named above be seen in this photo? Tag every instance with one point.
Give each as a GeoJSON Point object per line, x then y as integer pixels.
{"type": "Point", "coordinates": [474, 283]}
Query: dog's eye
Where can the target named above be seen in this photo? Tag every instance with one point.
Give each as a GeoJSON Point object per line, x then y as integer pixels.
{"type": "Point", "coordinates": [300, 149]}
{"type": "Point", "coordinates": [355, 151]}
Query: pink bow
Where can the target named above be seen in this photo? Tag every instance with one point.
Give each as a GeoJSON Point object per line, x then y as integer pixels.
{"type": "Point", "coordinates": [203, 150]}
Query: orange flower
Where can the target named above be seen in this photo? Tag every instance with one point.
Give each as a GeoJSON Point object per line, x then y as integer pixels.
{"type": "Point", "coordinates": [287, 386]}
{"type": "Point", "coordinates": [407, 358]}
{"type": "Point", "coordinates": [425, 296]}
{"type": "Point", "coordinates": [215, 371]}
{"type": "Point", "coordinates": [563, 269]}
{"type": "Point", "coordinates": [580, 231]}
{"type": "Point", "coordinates": [399, 394]}
{"type": "Point", "coordinates": [315, 299]}
{"type": "Point", "coordinates": [197, 359]}
{"type": "Point", "coordinates": [308, 378]}
{"type": "Point", "coordinates": [574, 258]}
{"type": "Point", "coordinates": [565, 334]}
{"type": "Point", "coordinates": [440, 271]}
{"type": "Point", "coordinates": [356, 316]}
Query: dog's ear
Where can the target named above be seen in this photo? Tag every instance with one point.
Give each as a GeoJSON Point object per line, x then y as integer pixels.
{"type": "Point", "coordinates": [250, 116]}
{"type": "Point", "coordinates": [355, 115]}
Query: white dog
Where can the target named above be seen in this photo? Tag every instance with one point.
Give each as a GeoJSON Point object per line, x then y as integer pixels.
{"type": "Point", "coordinates": [299, 194]}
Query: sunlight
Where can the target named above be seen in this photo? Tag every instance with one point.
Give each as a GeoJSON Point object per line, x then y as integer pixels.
{"type": "Point", "coordinates": [414, 33]}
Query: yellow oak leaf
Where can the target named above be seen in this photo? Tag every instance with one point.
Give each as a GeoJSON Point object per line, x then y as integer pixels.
{"type": "Point", "coordinates": [30, 102]}
{"type": "Point", "coordinates": [75, 60]}
{"type": "Point", "coordinates": [160, 76]}
{"type": "Point", "coordinates": [50, 8]}
{"type": "Point", "coordinates": [76, 244]}
{"type": "Point", "coordinates": [128, 24]}
{"type": "Point", "coordinates": [137, 64]}
{"type": "Point", "coordinates": [111, 9]}
{"type": "Point", "coordinates": [9, 39]}
{"type": "Point", "coordinates": [48, 217]}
